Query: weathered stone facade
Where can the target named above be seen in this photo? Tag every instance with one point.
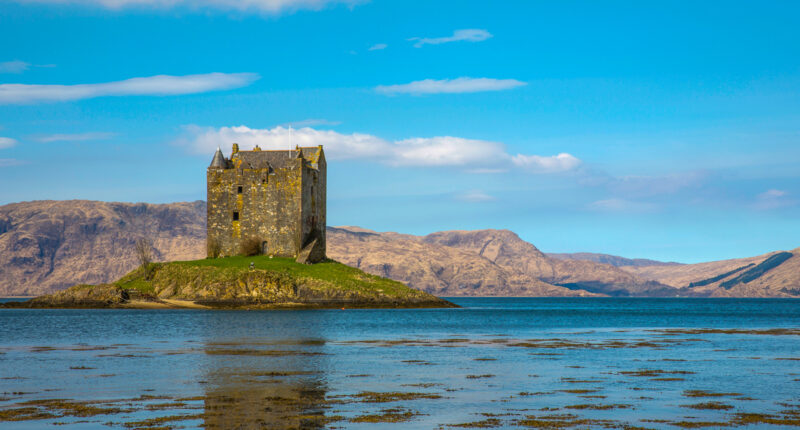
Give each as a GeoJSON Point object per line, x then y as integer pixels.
{"type": "Point", "coordinates": [268, 202]}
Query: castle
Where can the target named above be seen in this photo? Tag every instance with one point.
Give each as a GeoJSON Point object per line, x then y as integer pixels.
{"type": "Point", "coordinates": [267, 202]}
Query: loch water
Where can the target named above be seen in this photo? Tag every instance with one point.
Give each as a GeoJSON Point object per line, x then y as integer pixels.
{"type": "Point", "coordinates": [494, 362]}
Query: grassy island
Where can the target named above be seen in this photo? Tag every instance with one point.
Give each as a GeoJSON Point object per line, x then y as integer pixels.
{"type": "Point", "coordinates": [257, 282]}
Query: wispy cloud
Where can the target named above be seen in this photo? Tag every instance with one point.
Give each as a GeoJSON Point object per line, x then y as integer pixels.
{"type": "Point", "coordinates": [621, 205]}
{"type": "Point", "coordinates": [774, 199]}
{"type": "Point", "coordinates": [161, 85]}
{"type": "Point", "coordinates": [450, 86]}
{"type": "Point", "coordinates": [474, 196]}
{"type": "Point", "coordinates": [7, 142]}
{"type": "Point", "coordinates": [262, 6]}
{"type": "Point", "coordinates": [465, 35]}
{"type": "Point", "coordinates": [311, 122]}
{"type": "Point", "coordinates": [378, 47]}
{"type": "Point", "coordinates": [8, 162]}
{"type": "Point", "coordinates": [538, 164]}
{"type": "Point", "coordinates": [440, 151]}
{"type": "Point", "coordinates": [15, 66]}
{"type": "Point", "coordinates": [18, 66]}
{"type": "Point", "coordinates": [78, 137]}
{"type": "Point", "coordinates": [644, 186]}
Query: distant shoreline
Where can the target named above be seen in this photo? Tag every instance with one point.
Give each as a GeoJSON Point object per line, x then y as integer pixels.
{"type": "Point", "coordinates": [17, 297]}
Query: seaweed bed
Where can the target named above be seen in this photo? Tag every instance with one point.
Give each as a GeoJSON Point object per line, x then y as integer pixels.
{"type": "Point", "coordinates": [294, 398]}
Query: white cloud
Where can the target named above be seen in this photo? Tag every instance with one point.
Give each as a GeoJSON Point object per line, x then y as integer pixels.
{"type": "Point", "coordinates": [465, 35]}
{"type": "Point", "coordinates": [447, 151]}
{"type": "Point", "coordinates": [378, 47]}
{"type": "Point", "coordinates": [7, 142]}
{"type": "Point", "coordinates": [78, 137]}
{"type": "Point", "coordinates": [538, 164]}
{"type": "Point", "coordinates": [263, 6]}
{"type": "Point", "coordinates": [474, 196]}
{"type": "Point", "coordinates": [450, 86]}
{"type": "Point", "coordinates": [15, 66]}
{"type": "Point", "coordinates": [441, 151]}
{"type": "Point", "coordinates": [337, 146]}
{"type": "Point", "coordinates": [161, 85]}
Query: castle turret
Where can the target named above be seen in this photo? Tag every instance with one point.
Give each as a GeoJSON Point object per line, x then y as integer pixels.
{"type": "Point", "coordinates": [219, 160]}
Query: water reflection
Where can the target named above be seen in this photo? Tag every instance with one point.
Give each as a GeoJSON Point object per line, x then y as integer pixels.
{"type": "Point", "coordinates": [261, 383]}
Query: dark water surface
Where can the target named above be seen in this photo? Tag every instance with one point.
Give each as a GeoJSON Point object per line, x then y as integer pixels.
{"type": "Point", "coordinates": [587, 363]}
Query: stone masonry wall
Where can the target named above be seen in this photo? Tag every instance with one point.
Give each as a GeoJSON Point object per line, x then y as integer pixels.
{"type": "Point", "coordinates": [268, 209]}
{"type": "Point", "coordinates": [279, 212]}
{"type": "Point", "coordinates": [313, 208]}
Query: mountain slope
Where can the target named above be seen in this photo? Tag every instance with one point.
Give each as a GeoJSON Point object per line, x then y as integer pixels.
{"type": "Point", "coordinates": [776, 274]}
{"type": "Point", "coordinates": [612, 260]}
{"type": "Point", "coordinates": [506, 249]}
{"type": "Point", "coordinates": [49, 245]}
{"type": "Point", "coordinates": [437, 269]}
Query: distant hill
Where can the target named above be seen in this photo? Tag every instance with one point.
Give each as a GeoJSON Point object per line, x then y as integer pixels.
{"type": "Point", "coordinates": [610, 259]}
{"type": "Point", "coordinates": [776, 274]}
{"type": "Point", "coordinates": [49, 245]}
{"type": "Point", "coordinates": [435, 268]}
{"type": "Point", "coordinates": [507, 250]}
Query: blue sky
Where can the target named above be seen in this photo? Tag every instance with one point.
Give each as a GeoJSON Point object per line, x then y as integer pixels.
{"type": "Point", "coordinates": [665, 130]}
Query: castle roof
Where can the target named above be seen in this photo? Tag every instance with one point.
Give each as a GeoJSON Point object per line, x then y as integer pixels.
{"type": "Point", "coordinates": [279, 159]}
{"type": "Point", "coordinates": [219, 160]}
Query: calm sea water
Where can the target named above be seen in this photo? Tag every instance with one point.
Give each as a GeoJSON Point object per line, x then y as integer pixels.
{"type": "Point", "coordinates": [506, 362]}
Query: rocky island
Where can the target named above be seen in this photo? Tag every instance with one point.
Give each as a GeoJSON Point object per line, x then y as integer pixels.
{"type": "Point", "coordinates": [255, 282]}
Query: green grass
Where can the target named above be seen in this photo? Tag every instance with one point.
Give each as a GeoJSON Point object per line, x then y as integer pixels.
{"type": "Point", "coordinates": [135, 281]}
{"type": "Point", "coordinates": [327, 275]}
{"type": "Point", "coordinates": [331, 273]}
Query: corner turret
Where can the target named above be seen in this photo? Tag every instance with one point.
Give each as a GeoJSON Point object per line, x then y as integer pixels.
{"type": "Point", "coordinates": [219, 160]}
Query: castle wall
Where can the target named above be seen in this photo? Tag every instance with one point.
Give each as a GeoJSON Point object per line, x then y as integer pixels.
{"type": "Point", "coordinates": [268, 207]}
{"type": "Point", "coordinates": [280, 209]}
{"type": "Point", "coordinates": [313, 208]}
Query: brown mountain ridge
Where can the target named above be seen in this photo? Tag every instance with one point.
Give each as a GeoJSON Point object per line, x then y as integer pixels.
{"type": "Point", "coordinates": [49, 245]}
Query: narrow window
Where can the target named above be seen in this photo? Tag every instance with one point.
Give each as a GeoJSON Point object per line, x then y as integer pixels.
{"type": "Point", "coordinates": [236, 216]}
{"type": "Point", "coordinates": [239, 189]}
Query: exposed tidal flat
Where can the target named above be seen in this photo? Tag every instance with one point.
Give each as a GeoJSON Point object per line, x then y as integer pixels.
{"type": "Point", "coordinates": [494, 363]}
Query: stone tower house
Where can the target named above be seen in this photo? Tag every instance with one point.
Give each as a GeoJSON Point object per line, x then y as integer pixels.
{"type": "Point", "coordinates": [267, 202]}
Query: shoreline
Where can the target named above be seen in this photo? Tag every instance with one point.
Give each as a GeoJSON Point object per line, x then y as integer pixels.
{"type": "Point", "coordinates": [231, 306]}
